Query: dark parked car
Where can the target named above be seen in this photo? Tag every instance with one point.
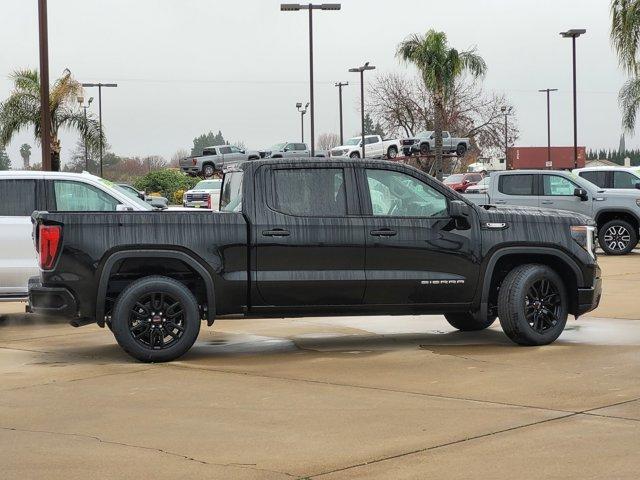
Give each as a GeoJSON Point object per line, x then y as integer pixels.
{"type": "Point", "coordinates": [154, 200]}
{"type": "Point", "coordinates": [311, 237]}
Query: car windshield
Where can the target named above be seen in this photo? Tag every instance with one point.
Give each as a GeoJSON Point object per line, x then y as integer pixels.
{"type": "Point", "coordinates": [278, 146]}
{"type": "Point", "coordinates": [353, 141]}
{"type": "Point", "coordinates": [454, 178]}
{"type": "Point", "coordinates": [129, 193]}
{"type": "Point", "coordinates": [208, 185]}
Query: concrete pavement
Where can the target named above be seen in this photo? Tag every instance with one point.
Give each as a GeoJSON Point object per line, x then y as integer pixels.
{"type": "Point", "coordinates": [351, 397]}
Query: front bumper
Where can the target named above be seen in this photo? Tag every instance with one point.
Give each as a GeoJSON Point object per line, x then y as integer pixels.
{"type": "Point", "coordinates": [196, 204]}
{"type": "Point", "coordinates": [57, 301]}
{"type": "Point", "coordinates": [409, 150]}
{"type": "Point", "coordinates": [589, 298]}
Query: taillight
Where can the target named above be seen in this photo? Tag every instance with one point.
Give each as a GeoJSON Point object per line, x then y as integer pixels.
{"type": "Point", "coordinates": [49, 242]}
{"type": "Point", "coordinates": [209, 201]}
{"type": "Point", "coordinates": [193, 161]}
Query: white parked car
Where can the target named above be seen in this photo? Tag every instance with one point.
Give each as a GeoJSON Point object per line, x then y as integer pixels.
{"type": "Point", "coordinates": [23, 192]}
{"type": "Point", "coordinates": [206, 194]}
{"type": "Point", "coordinates": [374, 147]}
{"type": "Point", "coordinates": [611, 177]}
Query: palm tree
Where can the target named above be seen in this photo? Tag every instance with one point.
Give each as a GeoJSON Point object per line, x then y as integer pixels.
{"type": "Point", "coordinates": [625, 36]}
{"type": "Point", "coordinates": [25, 153]}
{"type": "Point", "coordinates": [440, 66]}
{"type": "Point", "coordinates": [22, 109]}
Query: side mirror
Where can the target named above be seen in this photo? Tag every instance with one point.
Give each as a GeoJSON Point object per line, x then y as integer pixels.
{"type": "Point", "coordinates": [581, 193]}
{"type": "Point", "coordinates": [285, 149]}
{"type": "Point", "coordinates": [638, 185]}
{"type": "Point", "coordinates": [142, 195]}
{"type": "Point", "coordinates": [123, 208]}
{"type": "Point", "coordinates": [459, 210]}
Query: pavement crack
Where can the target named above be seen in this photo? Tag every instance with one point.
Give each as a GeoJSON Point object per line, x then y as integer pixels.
{"type": "Point", "coordinates": [153, 449]}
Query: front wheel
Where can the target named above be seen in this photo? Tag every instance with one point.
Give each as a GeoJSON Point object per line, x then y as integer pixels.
{"type": "Point", "coordinates": [533, 305]}
{"type": "Point", "coordinates": [424, 149]}
{"type": "Point", "coordinates": [467, 322]}
{"type": "Point", "coordinates": [354, 155]}
{"type": "Point", "coordinates": [156, 319]}
{"type": "Point", "coordinates": [461, 150]}
{"type": "Point", "coordinates": [617, 237]}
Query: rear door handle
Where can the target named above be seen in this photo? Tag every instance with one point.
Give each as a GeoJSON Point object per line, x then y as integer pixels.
{"type": "Point", "coordinates": [383, 232]}
{"type": "Point", "coordinates": [546, 202]}
{"type": "Point", "coordinates": [501, 202]}
{"type": "Point", "coordinates": [276, 232]}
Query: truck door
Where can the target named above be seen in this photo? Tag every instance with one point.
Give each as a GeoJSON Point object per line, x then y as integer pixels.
{"type": "Point", "coordinates": [309, 236]}
{"type": "Point", "coordinates": [557, 192]}
{"type": "Point", "coordinates": [415, 252]}
{"type": "Point", "coordinates": [514, 189]}
{"type": "Point", "coordinates": [373, 146]}
{"type": "Point", "coordinates": [446, 141]}
{"type": "Point", "coordinates": [227, 156]}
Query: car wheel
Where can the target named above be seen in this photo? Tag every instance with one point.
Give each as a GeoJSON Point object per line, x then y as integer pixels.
{"type": "Point", "coordinates": [424, 149]}
{"type": "Point", "coordinates": [461, 150]}
{"type": "Point", "coordinates": [617, 237]}
{"type": "Point", "coordinates": [467, 322]}
{"type": "Point", "coordinates": [156, 319]}
{"type": "Point", "coordinates": [532, 305]}
{"type": "Point", "coordinates": [208, 171]}
{"type": "Point", "coordinates": [354, 155]}
{"type": "Point", "coordinates": [392, 152]}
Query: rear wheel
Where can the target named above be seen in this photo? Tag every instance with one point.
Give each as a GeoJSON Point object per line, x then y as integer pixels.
{"type": "Point", "coordinates": [617, 237]}
{"type": "Point", "coordinates": [533, 305]}
{"type": "Point", "coordinates": [467, 322]}
{"type": "Point", "coordinates": [208, 170]}
{"type": "Point", "coordinates": [392, 152]}
{"type": "Point", "coordinates": [156, 319]}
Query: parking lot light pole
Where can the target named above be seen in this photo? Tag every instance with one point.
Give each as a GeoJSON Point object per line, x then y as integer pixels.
{"type": "Point", "coordinates": [573, 34]}
{"type": "Point", "coordinates": [294, 7]}
{"type": "Point", "coordinates": [45, 111]}
{"type": "Point", "coordinates": [86, 151]}
{"type": "Point", "coordinates": [100, 85]}
{"type": "Point", "coordinates": [548, 92]}
{"type": "Point", "coordinates": [506, 112]}
{"type": "Point", "coordinates": [361, 70]}
{"type": "Point", "coordinates": [302, 112]}
{"type": "Point", "coordinates": [340, 85]}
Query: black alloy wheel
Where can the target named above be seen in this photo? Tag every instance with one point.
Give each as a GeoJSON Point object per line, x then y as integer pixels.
{"type": "Point", "coordinates": [542, 305]}
{"type": "Point", "coordinates": [156, 320]}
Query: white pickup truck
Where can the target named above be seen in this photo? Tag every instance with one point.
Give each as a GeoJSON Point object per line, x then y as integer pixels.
{"type": "Point", "coordinates": [424, 142]}
{"type": "Point", "coordinates": [374, 147]}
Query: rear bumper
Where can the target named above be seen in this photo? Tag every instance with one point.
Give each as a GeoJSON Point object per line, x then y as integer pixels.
{"type": "Point", "coordinates": [190, 169]}
{"type": "Point", "coordinates": [589, 298]}
{"type": "Point", "coordinates": [57, 301]}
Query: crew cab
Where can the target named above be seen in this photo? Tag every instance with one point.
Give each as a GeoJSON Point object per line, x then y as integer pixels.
{"type": "Point", "coordinates": [611, 177]}
{"type": "Point", "coordinates": [289, 150]}
{"type": "Point", "coordinates": [374, 147]}
{"type": "Point", "coordinates": [316, 237]}
{"type": "Point", "coordinates": [425, 142]}
{"type": "Point", "coordinates": [216, 158]}
{"type": "Point", "coordinates": [616, 212]}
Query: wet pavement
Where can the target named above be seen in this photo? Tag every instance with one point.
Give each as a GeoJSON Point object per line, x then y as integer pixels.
{"type": "Point", "coordinates": [349, 397]}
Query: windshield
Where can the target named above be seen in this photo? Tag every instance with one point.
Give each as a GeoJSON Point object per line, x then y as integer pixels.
{"type": "Point", "coordinates": [453, 179]}
{"type": "Point", "coordinates": [353, 141]}
{"type": "Point", "coordinates": [129, 193]}
{"type": "Point", "coordinates": [278, 146]}
{"type": "Point", "coordinates": [208, 185]}
{"type": "Point", "coordinates": [231, 196]}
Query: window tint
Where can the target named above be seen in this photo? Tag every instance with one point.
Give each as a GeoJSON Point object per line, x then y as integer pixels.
{"type": "Point", "coordinates": [445, 135]}
{"type": "Point", "coordinates": [209, 151]}
{"type": "Point", "coordinates": [17, 198]}
{"type": "Point", "coordinates": [597, 178]}
{"type": "Point", "coordinates": [624, 180]}
{"type": "Point", "coordinates": [224, 150]}
{"type": "Point", "coordinates": [399, 195]}
{"type": "Point", "coordinates": [231, 196]}
{"type": "Point", "coordinates": [369, 140]}
{"type": "Point", "coordinates": [318, 192]}
{"type": "Point", "coordinates": [557, 186]}
{"type": "Point", "coordinates": [516, 184]}
{"type": "Point", "coordinates": [81, 197]}
{"type": "Point", "coordinates": [300, 146]}
{"type": "Point", "coordinates": [235, 149]}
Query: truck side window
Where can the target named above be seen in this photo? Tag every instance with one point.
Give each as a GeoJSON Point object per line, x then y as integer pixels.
{"type": "Point", "coordinates": [310, 192]}
{"type": "Point", "coordinates": [301, 147]}
{"type": "Point", "coordinates": [231, 194]}
{"type": "Point", "coordinates": [557, 186]}
{"type": "Point", "coordinates": [224, 150]}
{"type": "Point", "coordinates": [80, 197]}
{"type": "Point", "coordinates": [516, 184]}
{"type": "Point", "coordinates": [396, 194]}
{"type": "Point", "coordinates": [597, 178]}
{"type": "Point", "coordinates": [624, 180]}
{"type": "Point", "coordinates": [17, 198]}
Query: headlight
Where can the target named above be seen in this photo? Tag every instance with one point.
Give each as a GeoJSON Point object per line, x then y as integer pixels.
{"type": "Point", "coordinates": [585, 236]}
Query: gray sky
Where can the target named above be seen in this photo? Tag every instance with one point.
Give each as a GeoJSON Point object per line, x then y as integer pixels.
{"type": "Point", "coordinates": [188, 66]}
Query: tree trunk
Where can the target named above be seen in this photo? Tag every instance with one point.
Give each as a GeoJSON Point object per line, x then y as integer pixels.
{"type": "Point", "coordinates": [55, 153]}
{"type": "Point", "coordinates": [438, 121]}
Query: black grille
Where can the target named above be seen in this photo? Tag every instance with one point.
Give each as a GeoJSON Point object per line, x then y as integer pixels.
{"type": "Point", "coordinates": [407, 141]}
{"type": "Point", "coordinates": [197, 197]}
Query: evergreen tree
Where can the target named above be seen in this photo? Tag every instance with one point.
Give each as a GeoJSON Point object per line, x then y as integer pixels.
{"type": "Point", "coordinates": [207, 140]}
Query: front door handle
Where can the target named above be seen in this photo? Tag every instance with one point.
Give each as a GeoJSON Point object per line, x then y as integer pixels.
{"type": "Point", "coordinates": [383, 232]}
{"type": "Point", "coordinates": [276, 232]}
{"type": "Point", "coordinates": [501, 202]}
{"type": "Point", "coordinates": [546, 202]}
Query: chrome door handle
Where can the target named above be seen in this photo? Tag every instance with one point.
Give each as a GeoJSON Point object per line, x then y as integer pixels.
{"type": "Point", "coordinates": [276, 232]}
{"type": "Point", "coordinates": [383, 232]}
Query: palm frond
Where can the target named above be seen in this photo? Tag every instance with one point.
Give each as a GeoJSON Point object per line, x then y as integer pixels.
{"type": "Point", "coordinates": [629, 99]}
{"type": "Point", "coordinates": [74, 120]}
{"type": "Point", "coordinates": [625, 32]}
{"type": "Point", "coordinates": [26, 81]}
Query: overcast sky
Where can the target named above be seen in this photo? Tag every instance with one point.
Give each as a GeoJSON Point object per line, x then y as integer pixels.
{"type": "Point", "coordinates": [184, 67]}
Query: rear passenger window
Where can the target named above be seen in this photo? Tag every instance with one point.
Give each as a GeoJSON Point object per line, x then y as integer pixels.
{"type": "Point", "coordinates": [597, 178]}
{"type": "Point", "coordinates": [310, 192]}
{"type": "Point", "coordinates": [17, 198]}
{"type": "Point", "coordinates": [224, 150]}
{"type": "Point", "coordinates": [80, 197]}
{"type": "Point", "coordinates": [624, 180]}
{"type": "Point", "coordinates": [516, 184]}
{"type": "Point", "coordinates": [301, 147]}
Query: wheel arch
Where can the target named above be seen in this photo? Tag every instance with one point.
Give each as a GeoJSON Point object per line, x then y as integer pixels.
{"type": "Point", "coordinates": [605, 216]}
{"type": "Point", "coordinates": [117, 259]}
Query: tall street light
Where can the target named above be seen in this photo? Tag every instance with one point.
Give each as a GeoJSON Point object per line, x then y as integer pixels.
{"type": "Point", "coordinates": [340, 85]}
{"type": "Point", "coordinates": [100, 85]}
{"type": "Point", "coordinates": [302, 112]}
{"type": "Point", "coordinates": [548, 92]}
{"type": "Point", "coordinates": [45, 111]}
{"type": "Point", "coordinates": [361, 70]}
{"type": "Point", "coordinates": [573, 34]}
{"type": "Point", "coordinates": [86, 151]}
{"type": "Point", "coordinates": [506, 112]}
{"type": "Point", "coordinates": [289, 7]}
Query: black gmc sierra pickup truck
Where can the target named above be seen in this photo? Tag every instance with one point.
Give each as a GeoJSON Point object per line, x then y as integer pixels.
{"type": "Point", "coordinates": [310, 237]}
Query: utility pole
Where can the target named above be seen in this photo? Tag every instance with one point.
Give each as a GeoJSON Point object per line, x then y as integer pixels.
{"type": "Point", "coordinates": [45, 109]}
{"type": "Point", "coordinates": [506, 112]}
{"type": "Point", "coordinates": [548, 91]}
{"type": "Point", "coordinates": [361, 70]}
{"type": "Point", "coordinates": [573, 34]}
{"type": "Point", "coordinates": [340, 85]}
{"type": "Point", "coordinates": [100, 85]}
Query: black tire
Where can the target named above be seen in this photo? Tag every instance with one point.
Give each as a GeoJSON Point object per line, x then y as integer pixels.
{"type": "Point", "coordinates": [617, 237]}
{"type": "Point", "coordinates": [530, 318]}
{"type": "Point", "coordinates": [208, 170]}
{"type": "Point", "coordinates": [354, 155]}
{"type": "Point", "coordinates": [467, 322]}
{"type": "Point", "coordinates": [140, 337]}
{"type": "Point", "coordinates": [392, 152]}
{"type": "Point", "coordinates": [424, 149]}
{"type": "Point", "coordinates": [461, 150]}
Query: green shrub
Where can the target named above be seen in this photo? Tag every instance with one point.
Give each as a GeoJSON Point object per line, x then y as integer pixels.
{"type": "Point", "coordinates": [166, 182]}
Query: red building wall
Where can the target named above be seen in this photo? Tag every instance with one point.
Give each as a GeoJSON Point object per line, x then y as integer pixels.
{"type": "Point", "coordinates": [536, 157]}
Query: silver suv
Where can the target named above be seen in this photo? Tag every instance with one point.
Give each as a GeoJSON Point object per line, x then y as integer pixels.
{"type": "Point", "coordinates": [217, 157]}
